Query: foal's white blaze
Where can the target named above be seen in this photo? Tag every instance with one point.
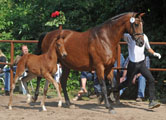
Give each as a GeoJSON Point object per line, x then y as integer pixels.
{"type": "Point", "coordinates": [28, 98]}
{"type": "Point", "coordinates": [60, 104]}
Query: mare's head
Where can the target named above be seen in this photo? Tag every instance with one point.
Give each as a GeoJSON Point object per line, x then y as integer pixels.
{"type": "Point", "coordinates": [135, 28]}
{"type": "Point", "coordinates": [61, 47]}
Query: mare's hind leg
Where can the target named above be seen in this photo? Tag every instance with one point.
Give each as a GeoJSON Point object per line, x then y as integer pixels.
{"type": "Point", "coordinates": [25, 79]}
{"type": "Point", "coordinates": [36, 94]}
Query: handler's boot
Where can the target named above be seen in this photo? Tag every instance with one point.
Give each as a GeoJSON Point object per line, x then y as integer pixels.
{"type": "Point", "coordinates": [153, 104]}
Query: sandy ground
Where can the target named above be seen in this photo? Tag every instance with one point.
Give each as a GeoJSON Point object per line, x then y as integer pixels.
{"type": "Point", "coordinates": [83, 110]}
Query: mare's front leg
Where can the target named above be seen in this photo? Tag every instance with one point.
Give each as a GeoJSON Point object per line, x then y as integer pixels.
{"type": "Point", "coordinates": [63, 79]}
{"type": "Point", "coordinates": [100, 75]}
{"type": "Point", "coordinates": [36, 94]}
{"type": "Point", "coordinates": [25, 79]}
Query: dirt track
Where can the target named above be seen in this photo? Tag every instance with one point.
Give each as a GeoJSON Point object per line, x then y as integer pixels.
{"type": "Point", "coordinates": [84, 110]}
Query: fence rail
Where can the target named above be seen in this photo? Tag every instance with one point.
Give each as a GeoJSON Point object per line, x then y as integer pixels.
{"type": "Point", "coordinates": [12, 54]}
{"type": "Point", "coordinates": [36, 41]}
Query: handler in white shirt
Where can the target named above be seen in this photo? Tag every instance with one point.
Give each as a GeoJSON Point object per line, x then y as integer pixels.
{"type": "Point", "coordinates": [58, 75]}
{"type": "Point", "coordinates": [137, 65]}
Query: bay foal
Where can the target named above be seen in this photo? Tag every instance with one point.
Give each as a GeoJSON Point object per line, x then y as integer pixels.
{"type": "Point", "coordinates": [44, 65]}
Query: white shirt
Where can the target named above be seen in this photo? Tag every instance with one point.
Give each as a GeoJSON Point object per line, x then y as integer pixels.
{"type": "Point", "coordinates": [58, 73]}
{"type": "Point", "coordinates": [136, 53]}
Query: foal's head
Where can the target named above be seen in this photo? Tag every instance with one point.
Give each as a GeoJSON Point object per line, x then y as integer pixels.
{"type": "Point", "coordinates": [60, 47]}
{"type": "Point", "coordinates": [136, 28]}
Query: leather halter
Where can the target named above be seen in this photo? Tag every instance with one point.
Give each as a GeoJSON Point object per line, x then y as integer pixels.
{"type": "Point", "coordinates": [134, 33]}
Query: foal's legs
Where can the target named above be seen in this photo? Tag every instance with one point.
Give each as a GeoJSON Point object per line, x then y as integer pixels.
{"type": "Point", "coordinates": [44, 95]}
{"type": "Point", "coordinates": [25, 79]}
{"type": "Point", "coordinates": [18, 74]}
{"type": "Point", "coordinates": [50, 79]}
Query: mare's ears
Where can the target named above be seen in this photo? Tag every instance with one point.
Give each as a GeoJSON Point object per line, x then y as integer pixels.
{"type": "Point", "coordinates": [142, 14]}
{"type": "Point", "coordinates": [139, 15]}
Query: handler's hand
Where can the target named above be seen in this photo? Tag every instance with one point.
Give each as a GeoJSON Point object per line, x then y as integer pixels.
{"type": "Point", "coordinates": [157, 55]}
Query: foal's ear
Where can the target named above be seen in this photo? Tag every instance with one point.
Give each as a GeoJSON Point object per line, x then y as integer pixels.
{"type": "Point", "coordinates": [139, 15]}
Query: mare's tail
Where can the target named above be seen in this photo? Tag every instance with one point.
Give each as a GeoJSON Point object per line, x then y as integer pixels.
{"type": "Point", "coordinates": [38, 50]}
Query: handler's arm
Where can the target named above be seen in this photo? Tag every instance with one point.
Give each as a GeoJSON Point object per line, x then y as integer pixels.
{"type": "Point", "coordinates": [151, 51]}
{"type": "Point", "coordinates": [154, 53]}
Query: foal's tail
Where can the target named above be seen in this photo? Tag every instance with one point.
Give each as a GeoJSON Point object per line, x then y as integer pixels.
{"type": "Point", "coordinates": [21, 67]}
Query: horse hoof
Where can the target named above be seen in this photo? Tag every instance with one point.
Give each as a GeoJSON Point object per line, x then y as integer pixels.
{"type": "Point", "coordinates": [112, 111]}
{"type": "Point", "coordinates": [67, 105]}
{"type": "Point", "coordinates": [44, 108]}
{"type": "Point", "coordinates": [28, 98]}
{"type": "Point", "coordinates": [28, 101]}
{"type": "Point", "coordinates": [72, 106]}
{"type": "Point", "coordinates": [60, 104]}
{"type": "Point", "coordinates": [10, 107]}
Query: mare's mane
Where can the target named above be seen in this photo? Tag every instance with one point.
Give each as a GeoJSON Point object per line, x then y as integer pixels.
{"type": "Point", "coordinates": [120, 15]}
{"type": "Point", "coordinates": [110, 21]}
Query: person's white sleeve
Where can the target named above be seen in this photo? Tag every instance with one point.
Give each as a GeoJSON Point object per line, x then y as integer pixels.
{"type": "Point", "coordinates": [147, 45]}
{"type": "Point", "coordinates": [126, 37]}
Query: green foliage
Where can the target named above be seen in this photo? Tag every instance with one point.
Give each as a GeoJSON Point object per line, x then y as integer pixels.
{"type": "Point", "coordinates": [59, 20]}
{"type": "Point", "coordinates": [73, 81]}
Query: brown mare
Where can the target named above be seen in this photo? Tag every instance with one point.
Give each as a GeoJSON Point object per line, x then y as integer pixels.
{"type": "Point", "coordinates": [96, 48]}
{"type": "Point", "coordinates": [44, 65]}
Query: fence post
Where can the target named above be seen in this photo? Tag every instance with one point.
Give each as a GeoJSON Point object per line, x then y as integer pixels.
{"type": "Point", "coordinates": [11, 61]}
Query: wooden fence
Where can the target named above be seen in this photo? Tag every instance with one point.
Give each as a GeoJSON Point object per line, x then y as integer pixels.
{"type": "Point", "coordinates": [12, 42]}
